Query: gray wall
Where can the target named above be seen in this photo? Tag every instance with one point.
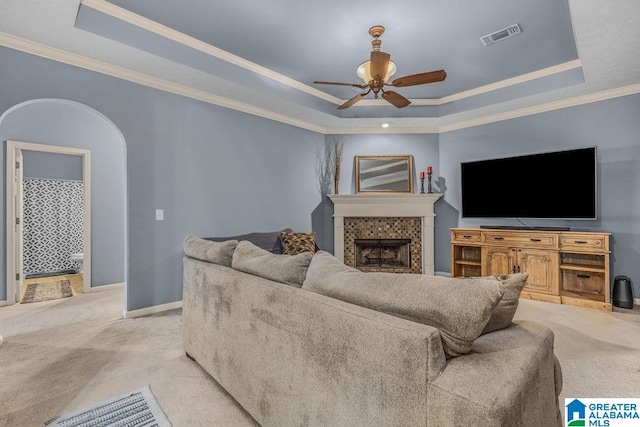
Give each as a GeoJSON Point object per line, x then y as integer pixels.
{"type": "Point", "coordinates": [217, 172]}
{"type": "Point", "coordinates": [214, 171]}
{"type": "Point", "coordinates": [613, 126]}
{"type": "Point", "coordinates": [38, 164]}
{"type": "Point", "coordinates": [423, 147]}
{"type": "Point", "coordinates": [62, 123]}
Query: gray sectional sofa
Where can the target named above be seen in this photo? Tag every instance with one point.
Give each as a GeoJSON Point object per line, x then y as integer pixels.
{"type": "Point", "coordinates": [265, 328]}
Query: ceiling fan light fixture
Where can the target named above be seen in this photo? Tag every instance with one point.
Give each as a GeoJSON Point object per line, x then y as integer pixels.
{"type": "Point", "coordinates": [364, 71]}
{"type": "Point", "coordinates": [377, 82]}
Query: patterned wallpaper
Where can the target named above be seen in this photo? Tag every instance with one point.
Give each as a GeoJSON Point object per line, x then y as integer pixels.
{"type": "Point", "coordinates": [53, 224]}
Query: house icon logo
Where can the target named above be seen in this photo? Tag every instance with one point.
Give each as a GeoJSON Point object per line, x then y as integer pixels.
{"type": "Point", "coordinates": [576, 413]}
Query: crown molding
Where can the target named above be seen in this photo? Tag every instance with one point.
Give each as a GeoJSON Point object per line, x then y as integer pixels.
{"type": "Point", "coordinates": [44, 51]}
{"type": "Point", "coordinates": [543, 108]}
{"type": "Point", "coordinates": [545, 72]}
{"type": "Point", "coordinates": [380, 130]}
{"type": "Point", "coordinates": [382, 103]}
{"type": "Point", "coordinates": [179, 37]}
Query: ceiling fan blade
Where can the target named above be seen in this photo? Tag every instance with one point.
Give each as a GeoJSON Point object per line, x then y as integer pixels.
{"type": "Point", "coordinates": [419, 79]}
{"type": "Point", "coordinates": [361, 86]}
{"type": "Point", "coordinates": [353, 100]}
{"type": "Point", "coordinates": [379, 64]}
{"type": "Point", "coordinates": [395, 98]}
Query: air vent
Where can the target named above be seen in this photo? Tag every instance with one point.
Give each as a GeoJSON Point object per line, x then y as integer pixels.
{"type": "Point", "coordinates": [503, 34]}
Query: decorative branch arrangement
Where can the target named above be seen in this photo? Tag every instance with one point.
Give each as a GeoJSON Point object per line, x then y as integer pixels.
{"type": "Point", "coordinates": [324, 169]}
{"type": "Point", "coordinates": [337, 146]}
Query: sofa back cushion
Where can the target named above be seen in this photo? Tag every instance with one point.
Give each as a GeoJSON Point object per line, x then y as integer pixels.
{"type": "Point", "coordinates": [459, 308]}
{"type": "Point", "coordinates": [269, 241]}
{"type": "Point", "coordinates": [502, 316]}
{"type": "Point", "coordinates": [288, 269]}
{"type": "Point", "coordinates": [219, 253]}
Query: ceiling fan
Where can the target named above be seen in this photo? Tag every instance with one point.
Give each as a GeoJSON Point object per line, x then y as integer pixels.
{"type": "Point", "coordinates": [378, 70]}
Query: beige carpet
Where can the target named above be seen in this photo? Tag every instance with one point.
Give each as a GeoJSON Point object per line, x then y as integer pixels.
{"type": "Point", "coordinates": [599, 352]}
{"type": "Point", "coordinates": [62, 355]}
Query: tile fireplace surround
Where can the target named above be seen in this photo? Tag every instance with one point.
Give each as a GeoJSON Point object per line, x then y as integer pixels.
{"type": "Point", "coordinates": [367, 212]}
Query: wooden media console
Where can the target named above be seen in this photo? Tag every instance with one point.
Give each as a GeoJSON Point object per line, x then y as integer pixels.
{"type": "Point", "coordinates": [564, 267]}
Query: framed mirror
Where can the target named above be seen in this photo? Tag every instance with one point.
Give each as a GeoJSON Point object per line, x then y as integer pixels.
{"type": "Point", "coordinates": [384, 174]}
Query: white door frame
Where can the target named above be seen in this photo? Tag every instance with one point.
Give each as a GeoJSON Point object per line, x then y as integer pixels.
{"type": "Point", "coordinates": [14, 243]}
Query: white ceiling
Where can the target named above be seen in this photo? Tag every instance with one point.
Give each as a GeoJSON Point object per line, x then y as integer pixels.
{"type": "Point", "coordinates": [578, 51]}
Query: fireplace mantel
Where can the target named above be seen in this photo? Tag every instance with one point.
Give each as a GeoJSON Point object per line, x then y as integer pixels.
{"type": "Point", "coordinates": [387, 205]}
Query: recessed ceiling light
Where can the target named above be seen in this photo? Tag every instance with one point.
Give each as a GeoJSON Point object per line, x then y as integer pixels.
{"type": "Point", "coordinates": [385, 125]}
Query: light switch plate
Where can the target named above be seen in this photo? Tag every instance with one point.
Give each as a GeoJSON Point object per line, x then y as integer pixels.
{"type": "Point", "coordinates": [159, 214]}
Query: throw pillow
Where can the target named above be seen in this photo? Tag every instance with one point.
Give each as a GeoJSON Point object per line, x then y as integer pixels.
{"type": "Point", "coordinates": [214, 252]}
{"type": "Point", "coordinates": [288, 269]}
{"type": "Point", "coordinates": [512, 285]}
{"type": "Point", "coordinates": [297, 243]}
{"type": "Point", "coordinates": [269, 241]}
{"type": "Point", "coordinates": [459, 308]}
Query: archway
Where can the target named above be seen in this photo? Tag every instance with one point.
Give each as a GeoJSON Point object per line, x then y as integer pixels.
{"type": "Point", "coordinates": [65, 123]}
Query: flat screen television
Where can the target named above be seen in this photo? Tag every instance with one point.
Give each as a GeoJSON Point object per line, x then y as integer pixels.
{"type": "Point", "coordinates": [553, 185]}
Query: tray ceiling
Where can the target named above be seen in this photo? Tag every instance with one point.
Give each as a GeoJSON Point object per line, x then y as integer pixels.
{"type": "Point", "coordinates": [265, 55]}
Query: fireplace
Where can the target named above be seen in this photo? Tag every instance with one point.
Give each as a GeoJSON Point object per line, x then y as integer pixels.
{"type": "Point", "coordinates": [386, 216]}
{"type": "Point", "coordinates": [389, 244]}
{"type": "Point", "coordinates": [381, 254]}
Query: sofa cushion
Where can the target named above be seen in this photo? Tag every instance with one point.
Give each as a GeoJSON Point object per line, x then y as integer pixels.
{"type": "Point", "coordinates": [512, 285]}
{"type": "Point", "coordinates": [508, 379]}
{"type": "Point", "coordinates": [216, 252]}
{"type": "Point", "coordinates": [459, 308]}
{"type": "Point", "coordinates": [296, 243]}
{"type": "Point", "coordinates": [289, 269]}
{"type": "Point", "coordinates": [269, 241]}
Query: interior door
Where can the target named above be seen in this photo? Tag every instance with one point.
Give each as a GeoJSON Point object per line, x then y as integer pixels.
{"type": "Point", "coordinates": [18, 206]}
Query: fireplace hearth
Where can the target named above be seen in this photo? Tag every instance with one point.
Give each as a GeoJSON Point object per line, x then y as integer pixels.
{"type": "Point", "coordinates": [380, 254]}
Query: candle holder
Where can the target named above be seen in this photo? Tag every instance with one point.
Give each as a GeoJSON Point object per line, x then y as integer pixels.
{"type": "Point", "coordinates": [422, 185]}
{"type": "Point", "coordinates": [429, 191]}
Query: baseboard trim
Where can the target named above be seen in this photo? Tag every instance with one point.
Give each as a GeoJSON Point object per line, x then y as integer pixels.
{"type": "Point", "coordinates": [107, 287]}
{"type": "Point", "coordinates": [152, 310]}
{"type": "Point", "coordinates": [3, 303]}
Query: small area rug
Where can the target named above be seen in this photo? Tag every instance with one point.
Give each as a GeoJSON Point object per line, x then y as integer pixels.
{"type": "Point", "coordinates": [135, 409]}
{"type": "Point", "coordinates": [37, 292]}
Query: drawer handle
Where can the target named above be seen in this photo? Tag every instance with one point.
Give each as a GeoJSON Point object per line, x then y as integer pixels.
{"type": "Point", "coordinates": [581, 242]}
{"type": "Point", "coordinates": [498, 238]}
{"type": "Point", "coordinates": [583, 276]}
{"type": "Point", "coordinates": [536, 240]}
{"type": "Point", "coordinates": [467, 237]}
